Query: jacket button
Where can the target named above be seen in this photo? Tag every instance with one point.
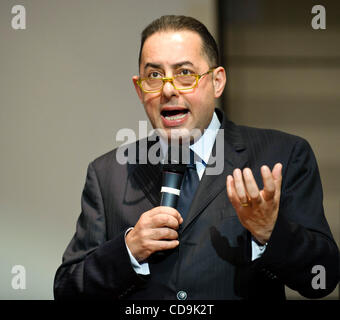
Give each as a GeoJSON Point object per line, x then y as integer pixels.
{"type": "Point", "coordinates": [181, 295]}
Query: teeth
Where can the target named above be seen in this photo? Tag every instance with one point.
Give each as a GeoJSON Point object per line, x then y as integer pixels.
{"type": "Point", "coordinates": [180, 116]}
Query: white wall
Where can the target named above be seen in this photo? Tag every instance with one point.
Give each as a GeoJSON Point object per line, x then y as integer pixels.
{"type": "Point", "coordinates": [65, 90]}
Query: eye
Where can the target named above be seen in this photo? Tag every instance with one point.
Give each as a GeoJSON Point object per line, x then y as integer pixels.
{"type": "Point", "coordinates": [154, 74]}
{"type": "Point", "coordinates": [185, 72]}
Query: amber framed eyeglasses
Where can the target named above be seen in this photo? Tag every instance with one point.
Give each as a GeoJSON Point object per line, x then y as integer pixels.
{"type": "Point", "coordinates": [181, 82]}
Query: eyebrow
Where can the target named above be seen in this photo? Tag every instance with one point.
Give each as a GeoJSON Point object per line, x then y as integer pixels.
{"type": "Point", "coordinates": [174, 66]}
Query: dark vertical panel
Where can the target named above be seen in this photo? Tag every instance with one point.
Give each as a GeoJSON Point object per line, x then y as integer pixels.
{"type": "Point", "coordinates": [284, 74]}
{"type": "Point", "coordinates": [221, 38]}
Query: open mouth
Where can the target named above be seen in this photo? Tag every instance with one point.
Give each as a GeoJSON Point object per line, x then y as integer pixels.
{"type": "Point", "coordinates": [174, 114]}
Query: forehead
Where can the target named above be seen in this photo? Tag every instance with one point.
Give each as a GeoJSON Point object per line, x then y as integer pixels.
{"type": "Point", "coordinates": [170, 47]}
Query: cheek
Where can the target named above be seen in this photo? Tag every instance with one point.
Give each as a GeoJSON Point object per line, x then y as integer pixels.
{"type": "Point", "coordinates": [193, 99]}
{"type": "Point", "coordinates": [200, 102]}
{"type": "Point", "coordinates": [151, 100]}
{"type": "Point", "coordinates": [151, 107]}
{"type": "Point", "coordinates": [150, 103]}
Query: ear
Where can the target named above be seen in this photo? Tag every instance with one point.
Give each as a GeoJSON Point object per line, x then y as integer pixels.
{"type": "Point", "coordinates": [219, 81]}
{"type": "Point", "coordinates": [137, 88]}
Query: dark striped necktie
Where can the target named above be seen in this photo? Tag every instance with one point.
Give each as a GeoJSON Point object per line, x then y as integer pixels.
{"type": "Point", "coordinates": [189, 186]}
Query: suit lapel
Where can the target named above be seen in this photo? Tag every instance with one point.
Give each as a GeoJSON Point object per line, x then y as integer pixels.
{"type": "Point", "coordinates": [149, 177]}
{"type": "Point", "coordinates": [235, 156]}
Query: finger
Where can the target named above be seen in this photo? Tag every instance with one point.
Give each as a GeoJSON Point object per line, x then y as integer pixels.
{"type": "Point", "coordinates": [159, 245]}
{"type": "Point", "coordinates": [231, 191]}
{"type": "Point", "coordinates": [268, 183]}
{"type": "Point", "coordinates": [166, 210]}
{"type": "Point", "coordinates": [229, 186]}
{"type": "Point", "coordinates": [251, 186]}
{"type": "Point", "coordinates": [164, 220]}
{"type": "Point", "coordinates": [277, 175]}
{"type": "Point", "coordinates": [164, 233]}
{"type": "Point", "coordinates": [239, 186]}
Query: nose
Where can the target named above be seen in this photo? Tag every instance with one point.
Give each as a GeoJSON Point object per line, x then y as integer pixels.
{"type": "Point", "coordinates": [169, 90]}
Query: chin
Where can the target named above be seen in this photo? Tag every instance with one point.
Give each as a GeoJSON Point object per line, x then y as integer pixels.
{"type": "Point", "coordinates": [183, 135]}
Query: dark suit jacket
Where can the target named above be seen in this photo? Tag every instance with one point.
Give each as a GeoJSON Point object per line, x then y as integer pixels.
{"type": "Point", "coordinates": [213, 260]}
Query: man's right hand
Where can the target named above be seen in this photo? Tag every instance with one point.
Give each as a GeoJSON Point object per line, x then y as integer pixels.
{"type": "Point", "coordinates": [154, 231]}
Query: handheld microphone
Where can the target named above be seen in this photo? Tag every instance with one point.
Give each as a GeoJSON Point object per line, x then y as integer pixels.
{"type": "Point", "coordinates": [172, 176]}
{"type": "Point", "coordinates": [173, 172]}
{"type": "Point", "coordinates": [171, 184]}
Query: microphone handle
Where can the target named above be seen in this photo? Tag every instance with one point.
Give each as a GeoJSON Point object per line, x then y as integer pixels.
{"type": "Point", "coordinates": [171, 188]}
{"type": "Point", "coordinates": [171, 185]}
{"type": "Point", "coordinates": [169, 199]}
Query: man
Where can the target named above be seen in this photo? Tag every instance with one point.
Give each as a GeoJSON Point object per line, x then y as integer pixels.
{"type": "Point", "coordinates": [246, 232]}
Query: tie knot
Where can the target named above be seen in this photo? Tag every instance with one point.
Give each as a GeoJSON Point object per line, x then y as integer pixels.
{"type": "Point", "coordinates": [191, 166]}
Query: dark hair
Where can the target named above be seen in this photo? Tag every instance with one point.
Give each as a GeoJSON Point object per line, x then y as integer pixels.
{"type": "Point", "coordinates": [176, 23]}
